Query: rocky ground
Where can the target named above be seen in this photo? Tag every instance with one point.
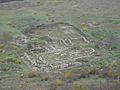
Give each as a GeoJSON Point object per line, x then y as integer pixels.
{"type": "Point", "coordinates": [58, 50]}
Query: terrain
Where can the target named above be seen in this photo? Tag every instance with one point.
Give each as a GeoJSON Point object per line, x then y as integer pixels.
{"type": "Point", "coordinates": [59, 44]}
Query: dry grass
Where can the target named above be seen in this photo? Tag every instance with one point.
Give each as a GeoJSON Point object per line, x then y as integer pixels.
{"type": "Point", "coordinates": [109, 85]}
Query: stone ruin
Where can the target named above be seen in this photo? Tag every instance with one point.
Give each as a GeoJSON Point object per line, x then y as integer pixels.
{"type": "Point", "coordinates": [55, 47]}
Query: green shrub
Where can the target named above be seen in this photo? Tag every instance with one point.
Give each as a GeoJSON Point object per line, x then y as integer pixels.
{"type": "Point", "coordinates": [14, 46]}
{"type": "Point", "coordinates": [94, 71]}
{"type": "Point", "coordinates": [34, 73]}
{"type": "Point", "coordinates": [79, 87]}
{"type": "Point", "coordinates": [68, 74]}
{"type": "Point", "coordinates": [84, 27]}
{"type": "Point", "coordinates": [4, 69]}
{"type": "Point", "coordinates": [94, 22]}
{"type": "Point", "coordinates": [31, 75]}
{"type": "Point", "coordinates": [58, 82]}
{"type": "Point", "coordinates": [45, 78]}
{"type": "Point", "coordinates": [116, 22]}
{"type": "Point", "coordinates": [112, 70]}
{"type": "Point", "coordinates": [1, 47]}
{"type": "Point", "coordinates": [12, 59]}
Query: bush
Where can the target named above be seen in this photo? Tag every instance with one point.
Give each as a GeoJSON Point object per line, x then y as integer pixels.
{"type": "Point", "coordinates": [45, 78]}
{"type": "Point", "coordinates": [1, 47]}
{"type": "Point", "coordinates": [34, 73]}
{"type": "Point", "coordinates": [94, 71]}
{"type": "Point", "coordinates": [58, 82]}
{"type": "Point", "coordinates": [108, 85]}
{"type": "Point", "coordinates": [12, 59]}
{"type": "Point", "coordinates": [112, 70]}
{"type": "Point", "coordinates": [31, 75]}
{"type": "Point", "coordinates": [4, 69]}
{"type": "Point", "coordinates": [85, 27]}
{"type": "Point", "coordinates": [116, 22]}
{"type": "Point", "coordinates": [79, 87]}
{"type": "Point", "coordinates": [94, 22]}
{"type": "Point", "coordinates": [14, 46]}
{"type": "Point", "coordinates": [68, 74]}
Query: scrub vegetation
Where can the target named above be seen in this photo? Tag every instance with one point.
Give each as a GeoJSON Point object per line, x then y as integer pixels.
{"type": "Point", "coordinates": [59, 45]}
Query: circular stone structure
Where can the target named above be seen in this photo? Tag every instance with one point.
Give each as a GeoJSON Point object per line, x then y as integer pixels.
{"type": "Point", "coordinates": [55, 47]}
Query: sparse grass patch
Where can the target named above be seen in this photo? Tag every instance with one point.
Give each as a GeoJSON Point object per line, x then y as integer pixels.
{"type": "Point", "coordinates": [58, 82]}
{"type": "Point", "coordinates": [14, 47]}
{"type": "Point", "coordinates": [4, 69]}
{"type": "Point", "coordinates": [67, 74]}
{"type": "Point", "coordinates": [113, 70]}
{"type": "Point", "coordinates": [45, 78]}
{"type": "Point", "coordinates": [12, 59]}
{"type": "Point", "coordinates": [116, 22]}
{"type": "Point", "coordinates": [85, 27]}
{"type": "Point", "coordinates": [79, 87]}
{"type": "Point", "coordinates": [94, 22]}
{"type": "Point", "coordinates": [33, 73]}
{"type": "Point", "coordinates": [94, 71]}
{"type": "Point", "coordinates": [1, 47]}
